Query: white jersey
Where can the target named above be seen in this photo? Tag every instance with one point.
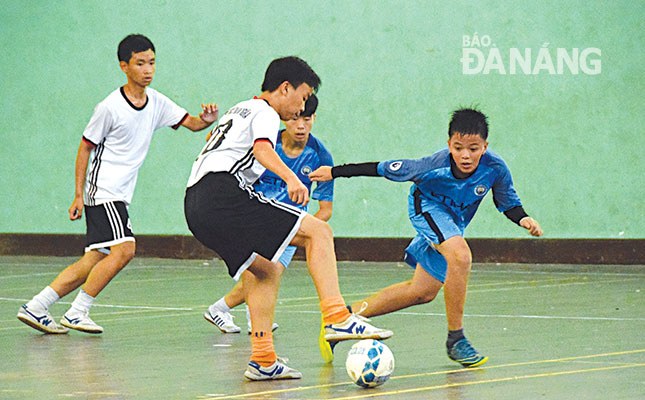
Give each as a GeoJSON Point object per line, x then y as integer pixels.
{"type": "Point", "coordinates": [230, 148]}
{"type": "Point", "coordinates": [121, 134]}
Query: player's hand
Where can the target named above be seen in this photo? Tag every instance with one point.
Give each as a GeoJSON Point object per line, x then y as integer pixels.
{"type": "Point", "coordinates": [531, 225]}
{"type": "Point", "coordinates": [210, 113]}
{"type": "Point", "coordinates": [322, 174]}
{"type": "Point", "coordinates": [298, 192]}
{"type": "Point", "coordinates": [76, 209]}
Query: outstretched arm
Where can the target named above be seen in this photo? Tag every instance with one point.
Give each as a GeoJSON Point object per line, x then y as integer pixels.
{"type": "Point", "coordinates": [326, 173]}
{"type": "Point", "coordinates": [209, 114]}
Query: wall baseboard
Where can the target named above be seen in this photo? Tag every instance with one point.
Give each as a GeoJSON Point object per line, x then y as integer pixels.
{"type": "Point", "coordinates": [537, 251]}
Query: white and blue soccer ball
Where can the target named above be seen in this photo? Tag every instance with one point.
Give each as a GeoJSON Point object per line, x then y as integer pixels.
{"type": "Point", "coordinates": [369, 363]}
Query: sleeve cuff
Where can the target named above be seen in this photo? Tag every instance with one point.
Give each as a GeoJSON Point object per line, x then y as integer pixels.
{"type": "Point", "coordinates": [264, 140]}
{"type": "Point", "coordinates": [178, 124]}
{"type": "Point", "coordinates": [88, 141]}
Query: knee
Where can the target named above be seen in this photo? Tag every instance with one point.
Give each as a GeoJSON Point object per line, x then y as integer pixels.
{"type": "Point", "coordinates": [274, 271]}
{"type": "Point", "coordinates": [461, 260]}
{"type": "Point", "coordinates": [323, 229]}
{"type": "Point", "coordinates": [423, 296]}
{"type": "Point", "coordinates": [319, 231]}
{"type": "Point", "coordinates": [123, 253]}
{"type": "Point", "coordinates": [419, 294]}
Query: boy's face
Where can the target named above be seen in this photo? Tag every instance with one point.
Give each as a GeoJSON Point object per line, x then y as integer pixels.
{"type": "Point", "coordinates": [298, 129]}
{"type": "Point", "coordinates": [141, 68]}
{"type": "Point", "coordinates": [292, 100]}
{"type": "Point", "coordinates": [467, 150]}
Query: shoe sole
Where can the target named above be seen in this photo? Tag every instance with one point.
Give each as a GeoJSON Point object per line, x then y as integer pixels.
{"type": "Point", "coordinates": [81, 329]}
{"type": "Point", "coordinates": [207, 318]}
{"type": "Point", "coordinates": [475, 365]}
{"type": "Point", "coordinates": [470, 365]}
{"type": "Point", "coordinates": [340, 337]}
{"type": "Point", "coordinates": [269, 378]}
{"type": "Point", "coordinates": [326, 351]}
{"type": "Point", "coordinates": [39, 327]}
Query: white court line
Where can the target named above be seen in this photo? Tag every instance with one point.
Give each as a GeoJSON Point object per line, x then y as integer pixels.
{"type": "Point", "coordinates": [538, 286]}
{"type": "Point", "coordinates": [29, 275]}
{"type": "Point", "coordinates": [427, 314]}
{"type": "Point", "coordinates": [110, 305]}
{"type": "Point", "coordinates": [525, 316]}
{"type": "Point", "coordinates": [576, 273]}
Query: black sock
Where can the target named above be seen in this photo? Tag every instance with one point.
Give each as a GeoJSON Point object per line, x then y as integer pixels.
{"type": "Point", "coordinates": [454, 337]}
{"type": "Point", "coordinates": [349, 308]}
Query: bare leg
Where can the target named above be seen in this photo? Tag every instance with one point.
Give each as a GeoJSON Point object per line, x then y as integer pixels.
{"type": "Point", "coordinates": [421, 289]}
{"type": "Point", "coordinates": [261, 282]}
{"type": "Point", "coordinates": [236, 296]}
{"type": "Point", "coordinates": [106, 269]}
{"type": "Point", "coordinates": [459, 259]}
{"type": "Point", "coordinates": [75, 275]}
{"type": "Point", "coordinates": [317, 239]}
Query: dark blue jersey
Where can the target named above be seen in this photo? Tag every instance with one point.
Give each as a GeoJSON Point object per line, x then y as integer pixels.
{"type": "Point", "coordinates": [437, 189]}
{"type": "Point", "coordinates": [313, 156]}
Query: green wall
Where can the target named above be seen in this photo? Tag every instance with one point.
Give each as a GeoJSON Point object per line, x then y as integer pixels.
{"type": "Point", "coordinates": [391, 75]}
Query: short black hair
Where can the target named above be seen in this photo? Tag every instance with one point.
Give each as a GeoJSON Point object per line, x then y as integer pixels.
{"type": "Point", "coordinates": [468, 121]}
{"type": "Point", "coordinates": [290, 69]}
{"type": "Point", "coordinates": [310, 106]}
{"type": "Point", "coordinates": [133, 43]}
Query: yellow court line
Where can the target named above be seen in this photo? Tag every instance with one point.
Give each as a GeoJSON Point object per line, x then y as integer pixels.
{"type": "Point", "coordinates": [454, 371]}
{"type": "Point", "coordinates": [496, 380]}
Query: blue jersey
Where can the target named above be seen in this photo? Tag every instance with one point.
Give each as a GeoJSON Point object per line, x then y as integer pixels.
{"type": "Point", "coordinates": [313, 156]}
{"type": "Point", "coordinates": [436, 189]}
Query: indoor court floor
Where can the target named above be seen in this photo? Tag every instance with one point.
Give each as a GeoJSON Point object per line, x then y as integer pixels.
{"type": "Point", "coordinates": [551, 332]}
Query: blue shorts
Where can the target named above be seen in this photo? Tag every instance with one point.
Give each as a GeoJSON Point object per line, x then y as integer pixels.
{"type": "Point", "coordinates": [287, 255]}
{"type": "Point", "coordinates": [437, 226]}
{"type": "Point", "coordinates": [432, 227]}
{"type": "Point", "coordinates": [421, 252]}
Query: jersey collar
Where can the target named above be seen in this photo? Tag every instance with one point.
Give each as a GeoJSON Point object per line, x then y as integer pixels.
{"type": "Point", "coordinates": [130, 103]}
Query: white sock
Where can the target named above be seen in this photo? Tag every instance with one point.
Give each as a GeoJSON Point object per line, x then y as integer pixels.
{"type": "Point", "coordinates": [220, 305]}
{"type": "Point", "coordinates": [82, 303]}
{"type": "Point", "coordinates": [44, 299]}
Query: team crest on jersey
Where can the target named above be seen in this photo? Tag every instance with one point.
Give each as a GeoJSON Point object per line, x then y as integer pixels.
{"type": "Point", "coordinates": [396, 165]}
{"type": "Point", "coordinates": [306, 170]}
{"type": "Point", "coordinates": [480, 190]}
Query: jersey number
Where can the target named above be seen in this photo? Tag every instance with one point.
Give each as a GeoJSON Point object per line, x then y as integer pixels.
{"type": "Point", "coordinates": [217, 136]}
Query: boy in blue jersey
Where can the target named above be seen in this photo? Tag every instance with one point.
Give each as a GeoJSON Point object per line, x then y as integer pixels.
{"type": "Point", "coordinates": [302, 153]}
{"type": "Point", "coordinates": [448, 188]}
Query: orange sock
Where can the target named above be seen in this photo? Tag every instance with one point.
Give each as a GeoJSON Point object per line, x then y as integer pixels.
{"type": "Point", "coordinates": [262, 351]}
{"type": "Point", "coordinates": [334, 310]}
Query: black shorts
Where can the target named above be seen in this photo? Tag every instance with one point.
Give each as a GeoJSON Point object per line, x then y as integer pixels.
{"type": "Point", "coordinates": [108, 224]}
{"type": "Point", "coordinates": [237, 222]}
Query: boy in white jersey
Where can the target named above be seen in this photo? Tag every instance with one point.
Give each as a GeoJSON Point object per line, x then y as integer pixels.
{"type": "Point", "coordinates": [249, 231]}
{"type": "Point", "coordinates": [115, 142]}
{"type": "Point", "coordinates": [302, 153]}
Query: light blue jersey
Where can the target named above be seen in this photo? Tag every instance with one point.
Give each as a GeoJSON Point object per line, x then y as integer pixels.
{"type": "Point", "coordinates": [441, 206]}
{"type": "Point", "coordinates": [271, 185]}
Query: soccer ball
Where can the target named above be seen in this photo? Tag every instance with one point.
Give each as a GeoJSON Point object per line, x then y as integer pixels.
{"type": "Point", "coordinates": [369, 363]}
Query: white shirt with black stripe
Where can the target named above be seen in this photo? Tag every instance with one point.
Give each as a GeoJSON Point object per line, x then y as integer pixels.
{"type": "Point", "coordinates": [230, 148]}
{"type": "Point", "coordinates": [121, 134]}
